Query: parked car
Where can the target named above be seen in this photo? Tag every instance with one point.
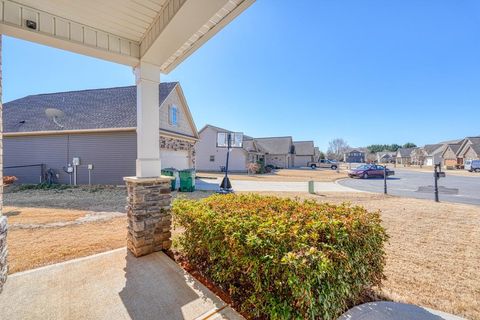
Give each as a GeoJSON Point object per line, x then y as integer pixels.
{"type": "Point", "coordinates": [369, 170]}
{"type": "Point", "coordinates": [472, 165]}
{"type": "Point", "coordinates": [323, 163]}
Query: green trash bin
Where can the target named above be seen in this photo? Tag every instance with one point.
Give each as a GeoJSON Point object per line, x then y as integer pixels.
{"type": "Point", "coordinates": [171, 172]}
{"type": "Point", "coordinates": [187, 180]}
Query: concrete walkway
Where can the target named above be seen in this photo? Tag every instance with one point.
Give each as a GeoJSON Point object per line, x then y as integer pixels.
{"type": "Point", "coordinates": [386, 310]}
{"type": "Point", "coordinates": [288, 186]}
{"type": "Point", "coordinates": [111, 285]}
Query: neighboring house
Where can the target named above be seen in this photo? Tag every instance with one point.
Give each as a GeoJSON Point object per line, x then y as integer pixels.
{"type": "Point", "coordinates": [99, 127]}
{"type": "Point", "coordinates": [433, 154]}
{"type": "Point", "coordinates": [304, 153]}
{"type": "Point", "coordinates": [449, 155]}
{"type": "Point", "coordinates": [427, 155]}
{"type": "Point", "coordinates": [354, 156]}
{"type": "Point", "coordinates": [279, 151]}
{"type": "Point", "coordinates": [464, 145]}
{"type": "Point", "coordinates": [472, 152]}
{"type": "Point", "coordinates": [209, 157]}
{"type": "Point", "coordinates": [386, 157]}
{"type": "Point", "coordinates": [404, 156]}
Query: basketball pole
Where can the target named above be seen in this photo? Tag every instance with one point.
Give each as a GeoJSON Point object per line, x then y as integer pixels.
{"type": "Point", "coordinates": [226, 185]}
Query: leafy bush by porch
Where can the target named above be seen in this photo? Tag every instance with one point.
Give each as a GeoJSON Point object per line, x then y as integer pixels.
{"type": "Point", "coordinates": [284, 259]}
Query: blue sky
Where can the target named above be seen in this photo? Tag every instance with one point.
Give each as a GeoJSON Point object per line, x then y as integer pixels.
{"type": "Point", "coordinates": [366, 71]}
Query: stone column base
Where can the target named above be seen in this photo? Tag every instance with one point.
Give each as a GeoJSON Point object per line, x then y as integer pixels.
{"type": "Point", "coordinates": [149, 214]}
{"type": "Point", "coordinates": [3, 251]}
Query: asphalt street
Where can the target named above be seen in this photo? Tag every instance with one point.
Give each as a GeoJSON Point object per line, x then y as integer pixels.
{"type": "Point", "coordinates": [408, 183]}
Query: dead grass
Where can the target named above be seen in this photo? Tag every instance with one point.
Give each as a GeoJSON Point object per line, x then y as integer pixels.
{"type": "Point", "coordinates": [433, 254]}
{"type": "Point", "coordinates": [282, 175]}
{"type": "Point", "coordinates": [35, 247]}
{"type": "Point", "coordinates": [32, 248]}
{"type": "Point", "coordinates": [28, 215]}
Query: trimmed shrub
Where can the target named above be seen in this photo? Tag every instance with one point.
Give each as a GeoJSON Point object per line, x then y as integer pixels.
{"type": "Point", "coordinates": [280, 258]}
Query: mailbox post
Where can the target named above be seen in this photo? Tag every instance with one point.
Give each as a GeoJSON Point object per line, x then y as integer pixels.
{"type": "Point", "coordinates": [437, 175]}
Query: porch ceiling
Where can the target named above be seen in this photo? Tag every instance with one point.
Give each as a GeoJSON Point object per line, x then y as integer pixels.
{"type": "Point", "coordinates": [161, 32]}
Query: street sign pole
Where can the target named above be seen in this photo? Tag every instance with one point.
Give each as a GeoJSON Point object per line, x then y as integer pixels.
{"type": "Point", "coordinates": [436, 182]}
{"type": "Point", "coordinates": [385, 179]}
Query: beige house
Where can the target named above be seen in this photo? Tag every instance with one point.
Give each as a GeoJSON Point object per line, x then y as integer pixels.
{"type": "Point", "coordinates": [304, 153]}
{"type": "Point", "coordinates": [449, 155]}
{"type": "Point", "coordinates": [279, 151]}
{"type": "Point", "coordinates": [464, 147]}
{"type": "Point", "coordinates": [210, 157]}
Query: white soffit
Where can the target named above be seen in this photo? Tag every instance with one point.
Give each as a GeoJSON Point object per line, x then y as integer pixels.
{"type": "Point", "coordinates": [161, 32]}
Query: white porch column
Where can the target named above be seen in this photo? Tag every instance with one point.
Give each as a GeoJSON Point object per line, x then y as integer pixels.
{"type": "Point", "coordinates": [147, 78]}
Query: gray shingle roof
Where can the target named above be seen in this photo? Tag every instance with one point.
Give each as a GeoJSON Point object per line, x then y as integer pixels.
{"type": "Point", "coordinates": [86, 109]}
{"type": "Point", "coordinates": [405, 152]}
{"type": "Point", "coordinates": [476, 147]}
{"type": "Point", "coordinates": [275, 145]}
{"type": "Point", "coordinates": [304, 148]}
{"type": "Point", "coordinates": [432, 149]}
{"type": "Point", "coordinates": [455, 147]}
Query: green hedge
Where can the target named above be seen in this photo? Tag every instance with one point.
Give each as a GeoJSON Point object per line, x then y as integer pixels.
{"type": "Point", "coordinates": [284, 259]}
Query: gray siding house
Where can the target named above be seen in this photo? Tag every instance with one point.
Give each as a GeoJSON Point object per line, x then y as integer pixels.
{"type": "Point", "coordinates": [354, 156]}
{"type": "Point", "coordinates": [99, 127]}
{"type": "Point", "coordinates": [304, 153]}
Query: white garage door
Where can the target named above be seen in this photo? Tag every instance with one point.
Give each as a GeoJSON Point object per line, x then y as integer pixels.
{"type": "Point", "coordinates": [174, 159]}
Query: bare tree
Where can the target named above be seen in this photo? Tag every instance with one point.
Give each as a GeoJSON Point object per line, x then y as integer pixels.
{"type": "Point", "coordinates": [336, 148]}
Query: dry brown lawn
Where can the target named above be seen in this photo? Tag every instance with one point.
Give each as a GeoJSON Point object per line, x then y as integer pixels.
{"type": "Point", "coordinates": [32, 248]}
{"type": "Point", "coordinates": [282, 175]}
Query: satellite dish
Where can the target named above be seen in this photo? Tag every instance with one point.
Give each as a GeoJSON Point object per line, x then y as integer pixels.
{"type": "Point", "coordinates": [55, 114]}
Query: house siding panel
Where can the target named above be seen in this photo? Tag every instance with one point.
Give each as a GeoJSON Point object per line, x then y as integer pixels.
{"type": "Point", "coordinates": [112, 154]}
{"type": "Point", "coordinates": [207, 147]}
{"type": "Point", "coordinates": [183, 126]}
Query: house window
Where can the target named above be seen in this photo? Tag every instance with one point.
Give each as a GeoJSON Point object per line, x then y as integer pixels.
{"type": "Point", "coordinates": [173, 115]}
{"type": "Point", "coordinates": [212, 158]}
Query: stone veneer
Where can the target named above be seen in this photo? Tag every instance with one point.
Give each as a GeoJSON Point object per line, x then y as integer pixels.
{"type": "Point", "coordinates": [149, 214]}
{"type": "Point", "coordinates": [3, 251]}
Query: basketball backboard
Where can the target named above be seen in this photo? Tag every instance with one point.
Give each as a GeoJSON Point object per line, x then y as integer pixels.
{"type": "Point", "coordinates": [236, 139]}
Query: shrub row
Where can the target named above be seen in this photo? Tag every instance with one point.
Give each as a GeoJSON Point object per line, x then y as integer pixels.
{"type": "Point", "coordinates": [280, 258]}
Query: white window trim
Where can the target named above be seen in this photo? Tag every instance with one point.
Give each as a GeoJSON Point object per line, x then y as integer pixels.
{"type": "Point", "coordinates": [171, 109]}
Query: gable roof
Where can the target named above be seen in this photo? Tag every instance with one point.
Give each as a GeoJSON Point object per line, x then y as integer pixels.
{"type": "Point", "coordinates": [475, 147]}
{"type": "Point", "coordinates": [275, 145]}
{"type": "Point", "coordinates": [465, 143]}
{"type": "Point", "coordinates": [304, 148]}
{"type": "Point", "coordinates": [432, 149]}
{"type": "Point", "coordinates": [85, 109]}
{"type": "Point", "coordinates": [405, 152]}
{"type": "Point", "coordinates": [218, 129]}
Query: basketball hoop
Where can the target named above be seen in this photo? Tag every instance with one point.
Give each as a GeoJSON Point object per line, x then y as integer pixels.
{"type": "Point", "coordinates": [228, 140]}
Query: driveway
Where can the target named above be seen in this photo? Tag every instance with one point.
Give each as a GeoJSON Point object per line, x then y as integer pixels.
{"type": "Point", "coordinates": [288, 186]}
{"type": "Point", "coordinates": [407, 183]}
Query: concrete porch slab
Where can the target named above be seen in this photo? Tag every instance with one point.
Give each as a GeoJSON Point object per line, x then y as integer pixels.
{"type": "Point", "coordinates": [111, 285]}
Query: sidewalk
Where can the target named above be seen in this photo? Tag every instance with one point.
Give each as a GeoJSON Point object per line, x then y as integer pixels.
{"type": "Point", "coordinates": [111, 285]}
{"type": "Point", "coordinates": [288, 186]}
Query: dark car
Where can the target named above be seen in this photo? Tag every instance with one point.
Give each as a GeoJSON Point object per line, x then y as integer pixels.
{"type": "Point", "coordinates": [368, 170]}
